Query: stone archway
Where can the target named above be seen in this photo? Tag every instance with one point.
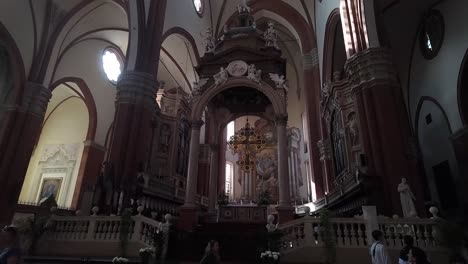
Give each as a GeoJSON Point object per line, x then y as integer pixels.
{"type": "Point", "coordinates": [275, 96]}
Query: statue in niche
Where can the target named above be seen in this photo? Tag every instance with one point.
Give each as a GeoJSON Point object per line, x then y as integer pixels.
{"type": "Point", "coordinates": [254, 74]}
{"type": "Point", "coordinates": [407, 199]}
{"type": "Point", "coordinates": [353, 130]}
{"type": "Point", "coordinates": [210, 44]}
{"type": "Point", "coordinates": [221, 76]}
{"type": "Point", "coordinates": [165, 138]}
{"type": "Point", "coordinates": [338, 143]}
{"type": "Point", "coordinates": [271, 36]}
{"type": "Point", "coordinates": [243, 8]}
{"type": "Point", "coordinates": [280, 81]}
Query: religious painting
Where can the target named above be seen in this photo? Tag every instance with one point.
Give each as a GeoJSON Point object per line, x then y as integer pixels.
{"type": "Point", "coordinates": [267, 173]}
{"type": "Point", "coordinates": [267, 128]}
{"type": "Point", "coordinates": [49, 187]}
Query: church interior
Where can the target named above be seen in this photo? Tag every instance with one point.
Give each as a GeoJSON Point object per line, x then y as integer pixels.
{"type": "Point", "coordinates": [286, 130]}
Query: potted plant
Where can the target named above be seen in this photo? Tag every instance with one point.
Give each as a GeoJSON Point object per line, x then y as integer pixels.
{"type": "Point", "coordinates": [264, 198]}
{"type": "Point", "coordinates": [270, 257]}
{"type": "Point", "coordinates": [31, 230]}
{"type": "Point", "coordinates": [118, 260]}
{"type": "Point", "coordinates": [147, 254]}
{"type": "Point", "coordinates": [223, 199]}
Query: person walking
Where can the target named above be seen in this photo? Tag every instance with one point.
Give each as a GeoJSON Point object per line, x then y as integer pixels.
{"type": "Point", "coordinates": [410, 254]}
{"type": "Point", "coordinates": [378, 252]}
{"type": "Point", "coordinates": [211, 253]}
{"type": "Point", "coordinates": [9, 245]}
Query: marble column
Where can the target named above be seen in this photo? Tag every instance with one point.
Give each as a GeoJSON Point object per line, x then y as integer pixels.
{"type": "Point", "coordinates": [188, 212]}
{"type": "Point", "coordinates": [17, 143]}
{"type": "Point", "coordinates": [90, 167]}
{"type": "Point", "coordinates": [285, 210]}
{"type": "Point", "coordinates": [192, 173]}
{"type": "Point", "coordinates": [135, 107]}
{"type": "Point", "coordinates": [385, 130]}
{"type": "Point", "coordinates": [213, 187]}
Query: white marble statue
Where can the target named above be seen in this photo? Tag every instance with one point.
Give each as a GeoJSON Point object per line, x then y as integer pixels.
{"type": "Point", "coordinates": [407, 199]}
{"type": "Point", "coordinates": [198, 86]}
{"type": "Point", "coordinates": [279, 81]}
{"type": "Point", "coordinates": [243, 8]}
{"type": "Point", "coordinates": [209, 40]}
{"type": "Point", "coordinates": [254, 74]}
{"type": "Point", "coordinates": [271, 226]}
{"type": "Point", "coordinates": [271, 36]}
{"type": "Point", "coordinates": [221, 76]}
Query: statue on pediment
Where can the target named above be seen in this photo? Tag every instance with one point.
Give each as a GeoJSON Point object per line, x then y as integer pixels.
{"type": "Point", "coordinates": [221, 76]}
{"type": "Point", "coordinates": [271, 36]}
{"type": "Point", "coordinates": [254, 74]}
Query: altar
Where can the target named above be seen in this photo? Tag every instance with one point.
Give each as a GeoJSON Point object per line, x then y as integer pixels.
{"type": "Point", "coordinates": [243, 213]}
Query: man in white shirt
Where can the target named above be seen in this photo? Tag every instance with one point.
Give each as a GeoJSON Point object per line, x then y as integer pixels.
{"type": "Point", "coordinates": [378, 252]}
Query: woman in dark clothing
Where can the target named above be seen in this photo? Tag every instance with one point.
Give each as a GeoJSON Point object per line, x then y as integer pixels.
{"type": "Point", "coordinates": [417, 254]}
{"type": "Point", "coordinates": [211, 253]}
{"type": "Point", "coordinates": [10, 251]}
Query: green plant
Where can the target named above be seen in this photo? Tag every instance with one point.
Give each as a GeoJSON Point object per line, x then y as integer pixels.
{"type": "Point", "coordinates": [125, 224]}
{"type": "Point", "coordinates": [328, 236]}
{"type": "Point", "coordinates": [264, 198]}
{"type": "Point", "coordinates": [223, 199]}
{"type": "Point", "coordinates": [31, 229]}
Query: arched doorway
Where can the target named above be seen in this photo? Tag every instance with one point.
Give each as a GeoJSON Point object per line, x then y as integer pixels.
{"type": "Point", "coordinates": [433, 130]}
{"type": "Point", "coordinates": [54, 168]}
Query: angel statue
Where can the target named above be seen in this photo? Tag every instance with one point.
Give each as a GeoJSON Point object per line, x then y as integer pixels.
{"type": "Point", "coordinates": [254, 74]}
{"type": "Point", "coordinates": [279, 81]}
{"type": "Point", "coordinates": [243, 8]}
{"type": "Point", "coordinates": [209, 40]}
{"type": "Point", "coordinates": [271, 36]}
{"type": "Point", "coordinates": [197, 86]}
{"type": "Point", "coordinates": [221, 76]}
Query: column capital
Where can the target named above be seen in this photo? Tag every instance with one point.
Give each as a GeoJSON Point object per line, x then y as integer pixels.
{"type": "Point", "coordinates": [197, 124]}
{"type": "Point", "coordinates": [281, 120]}
{"type": "Point", "coordinates": [137, 88]}
{"type": "Point", "coordinates": [371, 67]}
{"type": "Point", "coordinates": [325, 149]}
{"type": "Point", "coordinates": [35, 99]}
{"type": "Point", "coordinates": [310, 60]}
{"type": "Point", "coordinates": [214, 147]}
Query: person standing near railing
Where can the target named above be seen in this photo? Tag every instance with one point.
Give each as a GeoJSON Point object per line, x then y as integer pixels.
{"type": "Point", "coordinates": [378, 252]}
{"type": "Point", "coordinates": [411, 254]}
{"type": "Point", "coordinates": [9, 246]}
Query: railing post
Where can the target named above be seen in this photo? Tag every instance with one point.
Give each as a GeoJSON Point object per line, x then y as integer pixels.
{"type": "Point", "coordinates": [370, 216]}
{"type": "Point", "coordinates": [137, 232]}
{"type": "Point", "coordinates": [91, 229]}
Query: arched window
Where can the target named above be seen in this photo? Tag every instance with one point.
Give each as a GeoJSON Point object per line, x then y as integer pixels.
{"type": "Point", "coordinates": [112, 64]}
{"type": "Point", "coordinates": [198, 4]}
{"type": "Point", "coordinates": [432, 34]}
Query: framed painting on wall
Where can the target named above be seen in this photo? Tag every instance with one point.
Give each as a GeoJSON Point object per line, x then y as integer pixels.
{"type": "Point", "coordinates": [49, 187]}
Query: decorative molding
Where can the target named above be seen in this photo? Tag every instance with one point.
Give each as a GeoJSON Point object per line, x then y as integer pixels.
{"type": "Point", "coordinates": [237, 68]}
{"type": "Point", "coordinates": [310, 60]}
{"type": "Point", "coordinates": [325, 149]}
{"type": "Point", "coordinates": [137, 88]}
{"type": "Point", "coordinates": [281, 120]}
{"type": "Point", "coordinates": [35, 99]}
{"type": "Point", "coordinates": [197, 124]}
{"type": "Point", "coordinates": [371, 68]}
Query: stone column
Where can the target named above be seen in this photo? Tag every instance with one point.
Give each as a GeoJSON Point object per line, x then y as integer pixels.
{"type": "Point", "coordinates": [188, 212]}
{"type": "Point", "coordinates": [135, 107]}
{"type": "Point", "coordinates": [213, 190]}
{"type": "Point", "coordinates": [92, 158]}
{"type": "Point", "coordinates": [385, 129]}
{"type": "Point", "coordinates": [17, 144]}
{"type": "Point", "coordinates": [311, 79]}
{"type": "Point", "coordinates": [460, 146]}
{"type": "Point", "coordinates": [285, 210]}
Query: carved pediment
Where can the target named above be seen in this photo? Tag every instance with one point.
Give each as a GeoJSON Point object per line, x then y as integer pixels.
{"type": "Point", "coordinates": [246, 54]}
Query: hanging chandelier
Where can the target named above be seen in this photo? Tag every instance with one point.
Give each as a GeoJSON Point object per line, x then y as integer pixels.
{"type": "Point", "coordinates": [247, 143]}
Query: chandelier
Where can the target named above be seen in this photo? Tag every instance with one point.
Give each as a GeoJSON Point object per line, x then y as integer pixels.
{"type": "Point", "coordinates": [247, 143]}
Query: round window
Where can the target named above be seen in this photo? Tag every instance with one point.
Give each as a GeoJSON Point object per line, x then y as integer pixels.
{"type": "Point", "coordinates": [198, 4]}
{"type": "Point", "coordinates": [112, 64]}
{"type": "Point", "coordinates": [432, 34]}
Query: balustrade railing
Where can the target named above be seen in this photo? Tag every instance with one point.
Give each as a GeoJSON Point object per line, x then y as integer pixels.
{"type": "Point", "coordinates": [355, 232]}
